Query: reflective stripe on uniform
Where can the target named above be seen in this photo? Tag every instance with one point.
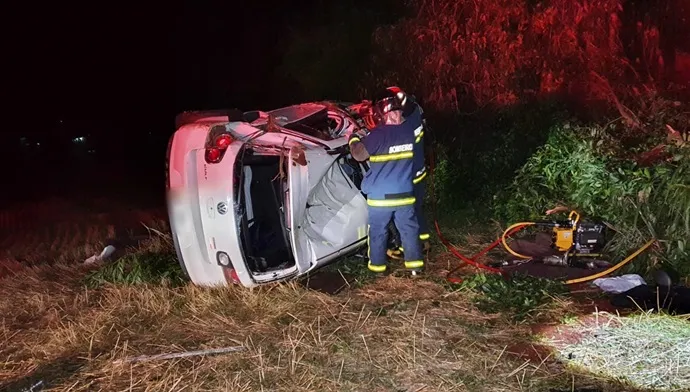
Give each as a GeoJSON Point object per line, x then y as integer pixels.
{"type": "Point", "coordinates": [354, 139]}
{"type": "Point", "coordinates": [397, 152]}
{"type": "Point", "coordinates": [391, 157]}
{"type": "Point", "coordinates": [391, 202]}
{"type": "Point", "coordinates": [368, 247]}
{"type": "Point", "coordinates": [414, 264]}
{"type": "Point", "coordinates": [419, 178]}
{"type": "Point", "coordinates": [376, 268]}
{"type": "Point", "coordinates": [419, 133]}
{"type": "Point", "coordinates": [424, 237]}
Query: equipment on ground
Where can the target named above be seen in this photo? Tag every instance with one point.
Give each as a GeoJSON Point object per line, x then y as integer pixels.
{"type": "Point", "coordinates": [578, 242]}
{"type": "Point", "coordinates": [584, 238]}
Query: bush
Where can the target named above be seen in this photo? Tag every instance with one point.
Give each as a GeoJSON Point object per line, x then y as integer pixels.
{"type": "Point", "coordinates": [477, 155]}
{"type": "Point", "coordinates": [577, 168]}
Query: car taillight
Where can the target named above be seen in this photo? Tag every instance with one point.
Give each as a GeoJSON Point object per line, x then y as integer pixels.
{"type": "Point", "coordinates": [213, 155]}
{"type": "Point", "coordinates": [218, 141]}
{"type": "Point", "coordinates": [223, 140]}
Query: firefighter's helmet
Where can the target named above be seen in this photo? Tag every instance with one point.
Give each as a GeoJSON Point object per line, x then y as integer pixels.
{"type": "Point", "coordinates": [407, 101]}
{"type": "Point", "coordinates": [387, 101]}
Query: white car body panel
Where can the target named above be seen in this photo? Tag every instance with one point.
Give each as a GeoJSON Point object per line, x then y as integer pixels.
{"type": "Point", "coordinates": [332, 226]}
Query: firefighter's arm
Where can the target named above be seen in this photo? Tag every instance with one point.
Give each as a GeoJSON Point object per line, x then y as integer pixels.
{"type": "Point", "coordinates": [357, 148]}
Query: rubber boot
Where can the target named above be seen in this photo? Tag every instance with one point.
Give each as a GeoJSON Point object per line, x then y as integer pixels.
{"type": "Point", "coordinates": [395, 253]}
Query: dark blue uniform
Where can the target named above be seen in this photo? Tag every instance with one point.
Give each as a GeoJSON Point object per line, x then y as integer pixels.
{"type": "Point", "coordinates": [414, 116]}
{"type": "Point", "coordinates": [419, 183]}
{"type": "Point", "coordinates": [390, 193]}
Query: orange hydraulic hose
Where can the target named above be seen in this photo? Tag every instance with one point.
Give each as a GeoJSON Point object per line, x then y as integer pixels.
{"type": "Point", "coordinates": [612, 269]}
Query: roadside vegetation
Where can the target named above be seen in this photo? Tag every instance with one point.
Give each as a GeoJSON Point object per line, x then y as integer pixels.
{"type": "Point", "coordinates": [645, 351]}
{"type": "Point", "coordinates": [532, 105]}
{"type": "Point", "coordinates": [535, 105]}
{"type": "Point", "coordinates": [82, 328]}
{"type": "Point", "coordinates": [75, 327]}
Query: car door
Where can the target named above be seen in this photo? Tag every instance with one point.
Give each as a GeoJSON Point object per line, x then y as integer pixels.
{"type": "Point", "coordinates": [335, 216]}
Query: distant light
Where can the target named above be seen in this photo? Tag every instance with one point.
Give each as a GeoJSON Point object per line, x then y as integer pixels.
{"type": "Point", "coordinates": [38, 144]}
{"type": "Point", "coordinates": [80, 139]}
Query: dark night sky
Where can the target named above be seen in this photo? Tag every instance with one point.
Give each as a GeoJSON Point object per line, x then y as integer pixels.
{"type": "Point", "coordinates": [121, 74]}
{"type": "Point", "coordinates": [136, 67]}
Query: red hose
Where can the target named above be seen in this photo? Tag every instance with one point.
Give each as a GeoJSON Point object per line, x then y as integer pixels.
{"type": "Point", "coordinates": [465, 260]}
{"type": "Point", "coordinates": [472, 260]}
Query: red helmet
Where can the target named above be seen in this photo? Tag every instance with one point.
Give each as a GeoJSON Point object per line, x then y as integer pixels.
{"type": "Point", "coordinates": [388, 100]}
{"type": "Point", "coordinates": [406, 101]}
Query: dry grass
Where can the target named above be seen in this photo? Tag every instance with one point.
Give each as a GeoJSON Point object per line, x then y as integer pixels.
{"type": "Point", "coordinates": [66, 231]}
{"type": "Point", "coordinates": [390, 335]}
{"type": "Point", "coordinates": [648, 350]}
{"type": "Point", "coordinates": [394, 334]}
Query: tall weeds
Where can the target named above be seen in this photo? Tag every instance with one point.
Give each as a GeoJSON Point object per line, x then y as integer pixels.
{"type": "Point", "coordinates": [576, 168]}
{"type": "Point", "coordinates": [487, 52]}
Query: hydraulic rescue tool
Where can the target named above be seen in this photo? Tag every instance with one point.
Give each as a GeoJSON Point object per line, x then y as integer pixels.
{"type": "Point", "coordinates": [577, 241]}
{"type": "Point", "coordinates": [587, 240]}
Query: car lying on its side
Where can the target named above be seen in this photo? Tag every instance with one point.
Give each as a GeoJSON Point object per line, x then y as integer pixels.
{"type": "Point", "coordinates": [258, 197]}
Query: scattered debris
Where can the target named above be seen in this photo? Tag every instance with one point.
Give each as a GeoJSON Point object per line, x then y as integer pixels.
{"type": "Point", "coordinates": [619, 284]}
{"type": "Point", "coordinates": [105, 255]}
{"type": "Point", "coordinates": [673, 300]}
{"type": "Point", "coordinates": [184, 354]}
{"type": "Point", "coordinates": [32, 388]}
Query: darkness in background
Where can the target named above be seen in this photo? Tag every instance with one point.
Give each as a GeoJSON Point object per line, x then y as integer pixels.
{"type": "Point", "coordinates": [118, 76]}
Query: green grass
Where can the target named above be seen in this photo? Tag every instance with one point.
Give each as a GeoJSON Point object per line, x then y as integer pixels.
{"type": "Point", "coordinates": [137, 269]}
{"type": "Point", "coordinates": [521, 298]}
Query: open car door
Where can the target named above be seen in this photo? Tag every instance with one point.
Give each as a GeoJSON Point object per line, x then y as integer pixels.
{"type": "Point", "coordinates": [329, 212]}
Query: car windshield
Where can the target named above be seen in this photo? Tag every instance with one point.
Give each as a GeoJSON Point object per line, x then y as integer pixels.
{"type": "Point", "coordinates": [315, 124]}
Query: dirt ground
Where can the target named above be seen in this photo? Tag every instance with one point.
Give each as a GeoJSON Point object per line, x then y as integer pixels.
{"type": "Point", "coordinates": [390, 334]}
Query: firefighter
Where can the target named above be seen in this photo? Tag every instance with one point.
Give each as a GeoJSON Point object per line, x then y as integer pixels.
{"type": "Point", "coordinates": [389, 147]}
{"type": "Point", "coordinates": [413, 113]}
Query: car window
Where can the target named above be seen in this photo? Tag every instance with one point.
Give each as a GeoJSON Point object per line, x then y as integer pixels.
{"type": "Point", "coordinates": [319, 125]}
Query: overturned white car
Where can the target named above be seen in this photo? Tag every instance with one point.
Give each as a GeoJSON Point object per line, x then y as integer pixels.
{"type": "Point", "coordinates": [259, 197]}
